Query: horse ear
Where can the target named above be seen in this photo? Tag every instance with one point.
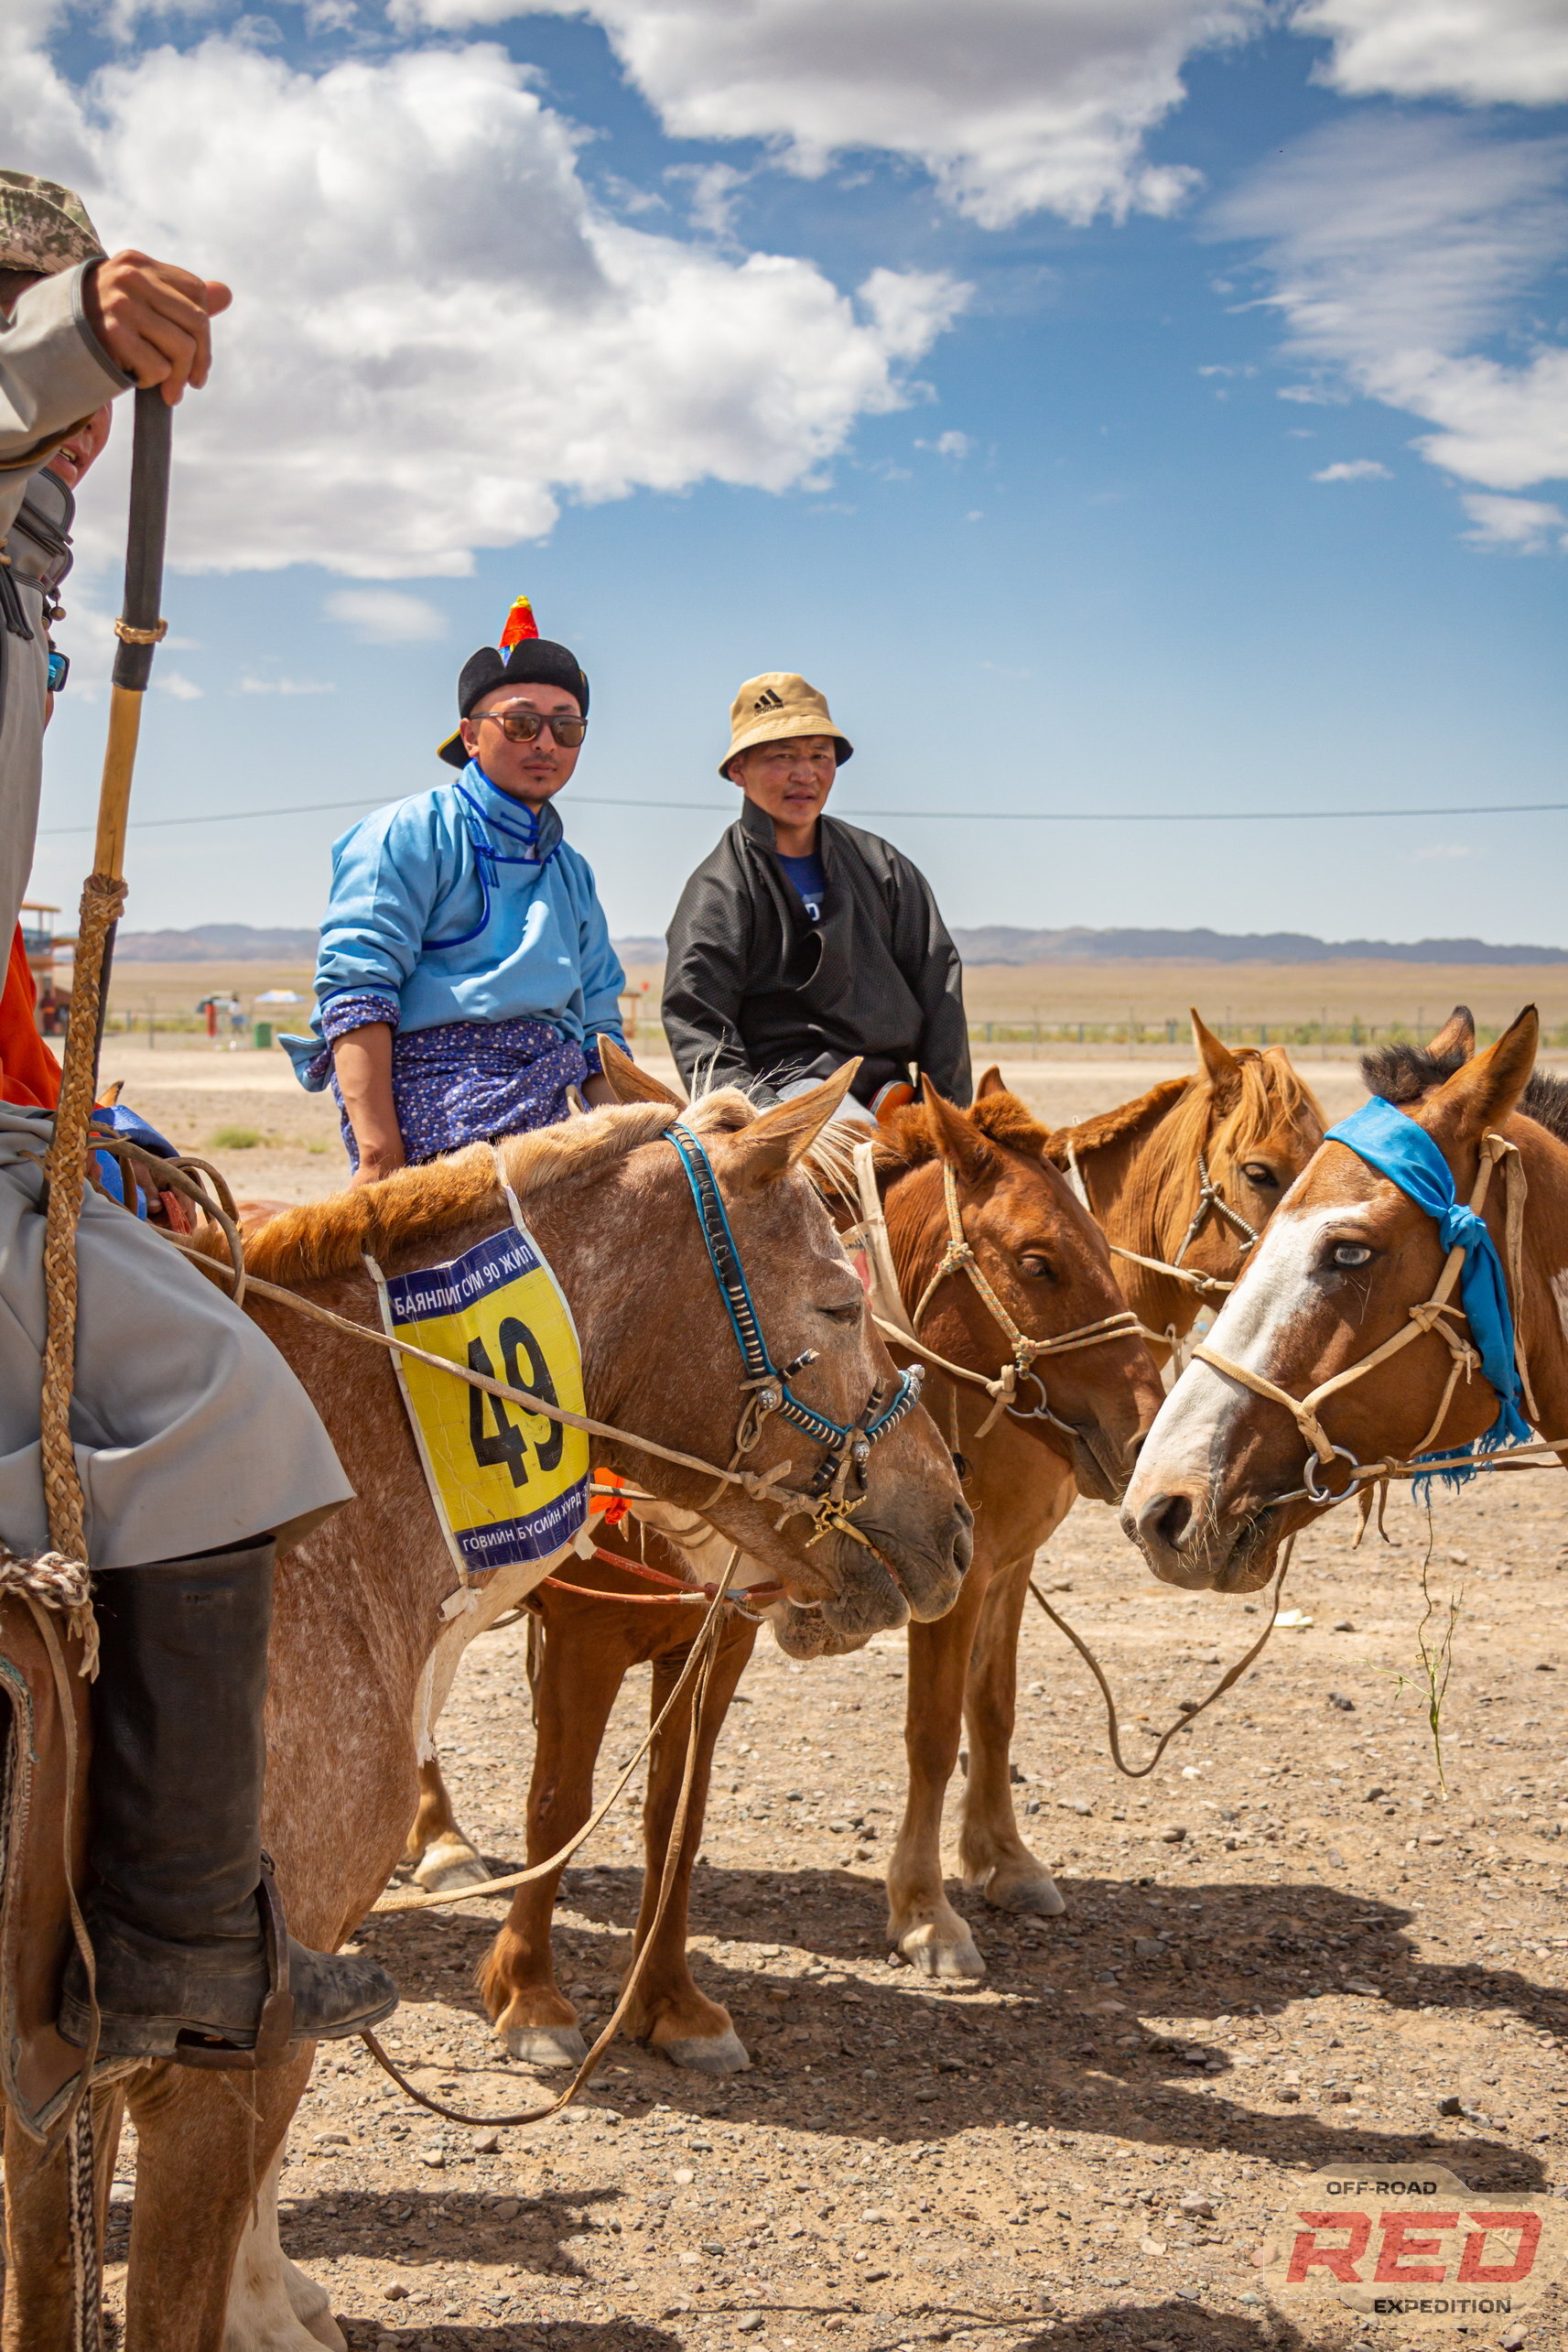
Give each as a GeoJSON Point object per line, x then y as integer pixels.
{"type": "Point", "coordinates": [1483, 1090]}
{"type": "Point", "coordinates": [1458, 1034]}
{"type": "Point", "coordinates": [771, 1145]}
{"type": "Point", "coordinates": [1219, 1062]}
{"type": "Point", "coordinates": [993, 1082]}
{"type": "Point", "coordinates": [628, 1083]}
{"type": "Point", "coordinates": [957, 1136]}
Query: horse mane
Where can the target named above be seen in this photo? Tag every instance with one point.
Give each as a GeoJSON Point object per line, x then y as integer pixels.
{"type": "Point", "coordinates": [330, 1236]}
{"type": "Point", "coordinates": [1401, 1074]}
{"type": "Point", "coordinates": [908, 1138]}
{"type": "Point", "coordinates": [1112, 1126]}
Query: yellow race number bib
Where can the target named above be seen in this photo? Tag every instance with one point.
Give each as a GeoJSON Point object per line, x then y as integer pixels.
{"type": "Point", "coordinates": [508, 1485]}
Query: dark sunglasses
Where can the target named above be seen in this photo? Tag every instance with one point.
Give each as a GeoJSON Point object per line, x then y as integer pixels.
{"type": "Point", "coordinates": [59, 670]}
{"type": "Point", "coordinates": [527, 726]}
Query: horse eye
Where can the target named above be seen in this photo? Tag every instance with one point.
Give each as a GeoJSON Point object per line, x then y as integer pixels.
{"type": "Point", "coordinates": [1351, 1253]}
{"type": "Point", "coordinates": [1264, 1179]}
{"type": "Point", "coordinates": [1037, 1268]}
{"type": "Point", "coordinates": [847, 1314]}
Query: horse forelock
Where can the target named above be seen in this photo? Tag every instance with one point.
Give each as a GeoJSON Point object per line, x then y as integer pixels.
{"type": "Point", "coordinates": [1220, 1122]}
{"type": "Point", "coordinates": [415, 1205]}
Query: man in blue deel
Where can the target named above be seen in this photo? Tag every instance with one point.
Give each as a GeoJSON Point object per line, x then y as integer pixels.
{"type": "Point", "coordinates": [465, 974]}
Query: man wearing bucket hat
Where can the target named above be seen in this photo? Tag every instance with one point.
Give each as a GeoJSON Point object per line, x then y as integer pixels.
{"type": "Point", "coordinates": [172, 1381]}
{"type": "Point", "coordinates": [802, 941]}
{"type": "Point", "coordinates": [465, 974]}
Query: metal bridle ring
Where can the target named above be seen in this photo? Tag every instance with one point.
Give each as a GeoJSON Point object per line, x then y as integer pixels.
{"type": "Point", "coordinates": [1316, 1493]}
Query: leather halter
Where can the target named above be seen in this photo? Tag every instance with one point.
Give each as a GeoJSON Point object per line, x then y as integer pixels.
{"type": "Point", "coordinates": [848, 1444]}
{"type": "Point", "coordinates": [1428, 1315]}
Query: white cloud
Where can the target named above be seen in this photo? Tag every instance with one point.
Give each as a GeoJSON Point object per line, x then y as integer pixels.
{"type": "Point", "coordinates": [436, 333]}
{"type": "Point", "coordinates": [1013, 106]}
{"type": "Point", "coordinates": [1394, 248]}
{"type": "Point", "coordinates": [1431, 852]}
{"type": "Point", "coordinates": [1485, 51]}
{"type": "Point", "coordinates": [1355, 470]}
{"type": "Point", "coordinates": [385, 616]}
{"type": "Point", "coordinates": [1522, 526]}
{"type": "Point", "coordinates": [174, 682]}
{"type": "Point", "coordinates": [286, 686]}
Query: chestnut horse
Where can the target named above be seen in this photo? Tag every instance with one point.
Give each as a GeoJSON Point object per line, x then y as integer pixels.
{"type": "Point", "coordinates": [1188, 1174]}
{"type": "Point", "coordinates": [1350, 1263]}
{"type": "Point", "coordinates": [1231, 1137]}
{"type": "Point", "coordinates": [1048, 1266]}
{"type": "Point", "coordinates": [359, 1607]}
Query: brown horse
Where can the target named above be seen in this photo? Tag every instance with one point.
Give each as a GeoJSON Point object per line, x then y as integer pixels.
{"type": "Point", "coordinates": [1049, 1267]}
{"type": "Point", "coordinates": [1199, 1160]}
{"type": "Point", "coordinates": [1350, 1263]}
{"type": "Point", "coordinates": [1188, 1174]}
{"type": "Point", "coordinates": [360, 1607]}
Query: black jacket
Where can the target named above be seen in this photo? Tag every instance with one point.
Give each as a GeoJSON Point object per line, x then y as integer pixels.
{"type": "Point", "coordinates": [756, 994]}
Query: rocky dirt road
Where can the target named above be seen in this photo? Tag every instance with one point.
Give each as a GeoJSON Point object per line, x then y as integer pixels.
{"type": "Point", "coordinates": [1291, 1947]}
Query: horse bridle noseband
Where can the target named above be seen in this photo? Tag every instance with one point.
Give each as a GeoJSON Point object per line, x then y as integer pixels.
{"type": "Point", "coordinates": [848, 1444]}
{"type": "Point", "coordinates": [1210, 1197]}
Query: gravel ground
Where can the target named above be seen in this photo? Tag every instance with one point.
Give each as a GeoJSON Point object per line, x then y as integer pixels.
{"type": "Point", "coordinates": [1290, 1947]}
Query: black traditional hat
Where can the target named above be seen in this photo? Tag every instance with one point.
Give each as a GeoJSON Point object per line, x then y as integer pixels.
{"type": "Point", "coordinates": [522, 659]}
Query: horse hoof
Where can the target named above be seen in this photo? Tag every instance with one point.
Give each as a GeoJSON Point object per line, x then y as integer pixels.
{"type": "Point", "coordinates": [708, 2054]}
{"type": "Point", "coordinates": [546, 2045]}
{"type": "Point", "coordinates": [1039, 1898]}
{"type": "Point", "coordinates": [960, 1956]}
{"type": "Point", "coordinates": [312, 2307]}
{"type": "Point", "coordinates": [449, 1864]}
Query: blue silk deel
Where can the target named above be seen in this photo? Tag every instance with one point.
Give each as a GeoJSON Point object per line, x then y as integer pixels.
{"type": "Point", "coordinates": [1393, 1145]}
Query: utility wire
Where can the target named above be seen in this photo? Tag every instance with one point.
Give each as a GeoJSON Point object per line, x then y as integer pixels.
{"type": "Point", "coordinates": [964, 816]}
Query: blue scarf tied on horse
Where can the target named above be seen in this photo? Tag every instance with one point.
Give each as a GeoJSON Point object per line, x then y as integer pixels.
{"type": "Point", "coordinates": [1393, 1145]}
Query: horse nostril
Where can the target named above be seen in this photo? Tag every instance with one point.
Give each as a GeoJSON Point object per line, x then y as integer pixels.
{"type": "Point", "coordinates": [1165, 1520]}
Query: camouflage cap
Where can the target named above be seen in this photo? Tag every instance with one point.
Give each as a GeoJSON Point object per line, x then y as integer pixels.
{"type": "Point", "coordinates": [43, 226]}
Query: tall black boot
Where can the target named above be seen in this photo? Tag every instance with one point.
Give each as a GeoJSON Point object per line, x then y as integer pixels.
{"type": "Point", "coordinates": [177, 1910]}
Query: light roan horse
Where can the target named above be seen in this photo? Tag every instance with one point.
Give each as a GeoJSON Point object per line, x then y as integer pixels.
{"type": "Point", "coordinates": [359, 1609]}
{"type": "Point", "coordinates": [1348, 1260]}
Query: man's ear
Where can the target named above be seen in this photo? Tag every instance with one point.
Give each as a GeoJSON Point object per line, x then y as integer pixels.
{"type": "Point", "coordinates": [628, 1083]}
{"type": "Point", "coordinates": [1458, 1034]}
{"type": "Point", "coordinates": [1480, 1095]}
{"type": "Point", "coordinates": [957, 1136]}
{"type": "Point", "coordinates": [771, 1145]}
{"type": "Point", "coordinates": [993, 1082]}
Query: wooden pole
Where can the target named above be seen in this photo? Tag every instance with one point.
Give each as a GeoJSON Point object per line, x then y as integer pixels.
{"type": "Point", "coordinates": [139, 629]}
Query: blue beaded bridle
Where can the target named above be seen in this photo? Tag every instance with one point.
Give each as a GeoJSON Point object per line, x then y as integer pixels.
{"type": "Point", "coordinates": [848, 1444]}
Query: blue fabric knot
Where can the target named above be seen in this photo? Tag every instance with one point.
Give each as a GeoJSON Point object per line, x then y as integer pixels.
{"type": "Point", "coordinates": [1393, 1145]}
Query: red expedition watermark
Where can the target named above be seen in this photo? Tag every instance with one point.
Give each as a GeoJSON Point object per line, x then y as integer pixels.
{"type": "Point", "coordinates": [1411, 2241]}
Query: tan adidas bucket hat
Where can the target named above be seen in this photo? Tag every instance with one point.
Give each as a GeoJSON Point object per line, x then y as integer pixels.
{"type": "Point", "coordinates": [775, 705]}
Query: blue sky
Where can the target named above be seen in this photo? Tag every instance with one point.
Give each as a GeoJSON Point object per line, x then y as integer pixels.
{"type": "Point", "coordinates": [1113, 405]}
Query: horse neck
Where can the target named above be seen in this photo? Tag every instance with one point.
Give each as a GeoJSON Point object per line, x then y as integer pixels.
{"type": "Point", "coordinates": [1135, 1204]}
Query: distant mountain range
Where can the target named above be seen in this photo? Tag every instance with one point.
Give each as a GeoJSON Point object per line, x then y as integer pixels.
{"type": "Point", "coordinates": [996, 943]}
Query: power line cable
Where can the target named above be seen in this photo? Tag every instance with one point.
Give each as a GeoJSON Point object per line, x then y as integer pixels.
{"type": "Point", "coordinates": [881, 816]}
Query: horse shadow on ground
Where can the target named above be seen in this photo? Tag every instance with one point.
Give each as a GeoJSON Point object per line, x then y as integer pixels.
{"type": "Point", "coordinates": [1068, 2050]}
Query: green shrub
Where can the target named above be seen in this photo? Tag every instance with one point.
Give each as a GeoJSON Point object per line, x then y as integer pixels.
{"type": "Point", "coordinates": [235, 1139]}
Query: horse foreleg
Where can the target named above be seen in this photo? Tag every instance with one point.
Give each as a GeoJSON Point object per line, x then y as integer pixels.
{"type": "Point", "coordinates": [583, 1669]}
{"type": "Point", "coordinates": [207, 2145]}
{"type": "Point", "coordinates": [921, 1923]}
{"type": "Point", "coordinates": [992, 1854]}
{"type": "Point", "coordinates": [668, 2011]}
{"type": "Point", "coordinates": [267, 2293]}
{"type": "Point", "coordinates": [442, 1856]}
{"type": "Point", "coordinates": [51, 2212]}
